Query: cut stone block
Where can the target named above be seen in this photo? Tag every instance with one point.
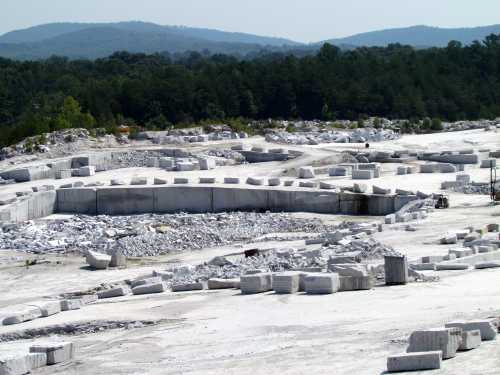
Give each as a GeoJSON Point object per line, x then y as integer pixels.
{"type": "Point", "coordinates": [423, 267]}
{"type": "Point", "coordinates": [19, 314]}
{"type": "Point", "coordinates": [396, 270]}
{"type": "Point", "coordinates": [430, 360]}
{"type": "Point", "coordinates": [327, 185]}
{"type": "Point", "coordinates": [181, 180]}
{"type": "Point", "coordinates": [139, 181]}
{"type": "Point", "coordinates": [274, 181]}
{"type": "Point", "coordinates": [255, 181]}
{"type": "Point", "coordinates": [71, 304]}
{"type": "Point", "coordinates": [47, 308]}
{"type": "Point", "coordinates": [461, 252]}
{"type": "Point", "coordinates": [36, 360]}
{"type": "Point", "coordinates": [117, 182]}
{"type": "Point", "coordinates": [118, 259]}
{"type": "Point", "coordinates": [390, 219]}
{"type": "Point", "coordinates": [470, 340]}
{"type": "Point", "coordinates": [485, 265]}
{"type": "Point", "coordinates": [257, 283]}
{"type": "Point", "coordinates": [327, 283]}
{"type": "Point", "coordinates": [360, 174]}
{"type": "Point", "coordinates": [113, 293]}
{"type": "Point", "coordinates": [286, 282]}
{"type": "Point", "coordinates": [380, 191]}
{"type": "Point", "coordinates": [63, 173]}
{"type": "Point", "coordinates": [185, 166]}
{"type": "Point", "coordinates": [15, 364]}
{"type": "Point", "coordinates": [432, 259]}
{"type": "Point", "coordinates": [351, 283]}
{"type": "Point", "coordinates": [87, 299]}
{"type": "Point", "coordinates": [207, 180]}
{"type": "Point", "coordinates": [488, 163]}
{"type": "Point", "coordinates": [152, 162]}
{"type": "Point", "coordinates": [338, 171]}
{"type": "Point", "coordinates": [289, 183]}
{"type": "Point", "coordinates": [307, 184]}
{"type": "Point", "coordinates": [306, 172]}
{"type": "Point", "coordinates": [159, 181]}
{"type": "Point", "coordinates": [148, 280]}
{"type": "Point", "coordinates": [231, 180]}
{"type": "Point", "coordinates": [449, 239]}
{"type": "Point", "coordinates": [223, 283]}
{"type": "Point", "coordinates": [486, 327]}
{"type": "Point", "coordinates": [97, 260]}
{"type": "Point", "coordinates": [207, 164]}
{"type": "Point", "coordinates": [186, 287]}
{"type": "Point", "coordinates": [451, 266]}
{"type": "Point", "coordinates": [86, 171]}
{"type": "Point", "coordinates": [166, 163]}
{"type": "Point", "coordinates": [348, 269]}
{"type": "Point", "coordinates": [445, 339]}
{"type": "Point", "coordinates": [56, 352]}
{"type": "Point", "coordinates": [402, 170]}
{"type": "Point", "coordinates": [404, 192]}
{"type": "Point", "coordinates": [149, 289]}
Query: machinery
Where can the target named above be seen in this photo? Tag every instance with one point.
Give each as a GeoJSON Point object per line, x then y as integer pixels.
{"type": "Point", "coordinates": [442, 200]}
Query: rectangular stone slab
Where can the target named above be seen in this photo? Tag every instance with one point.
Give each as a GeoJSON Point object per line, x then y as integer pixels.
{"type": "Point", "coordinates": [470, 340]}
{"type": "Point", "coordinates": [326, 283]}
{"type": "Point", "coordinates": [148, 289]}
{"type": "Point", "coordinates": [286, 283]}
{"type": "Point", "coordinates": [486, 327]}
{"type": "Point", "coordinates": [19, 314]}
{"type": "Point", "coordinates": [414, 361]}
{"type": "Point", "coordinates": [257, 283]}
{"type": "Point", "coordinates": [112, 293]}
{"type": "Point", "coordinates": [56, 352]}
{"type": "Point", "coordinates": [445, 339]}
{"type": "Point", "coordinates": [223, 283]}
{"type": "Point", "coordinates": [187, 287]}
{"type": "Point", "coordinates": [47, 308]}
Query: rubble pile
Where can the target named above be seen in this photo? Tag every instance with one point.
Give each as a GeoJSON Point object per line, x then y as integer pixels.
{"type": "Point", "coordinates": [314, 138]}
{"type": "Point", "coordinates": [149, 235]}
{"type": "Point", "coordinates": [60, 143]}
{"type": "Point", "coordinates": [475, 188]}
{"type": "Point", "coordinates": [279, 260]}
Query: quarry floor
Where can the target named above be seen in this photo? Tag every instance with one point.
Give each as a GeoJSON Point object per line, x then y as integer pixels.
{"type": "Point", "coordinates": [214, 332]}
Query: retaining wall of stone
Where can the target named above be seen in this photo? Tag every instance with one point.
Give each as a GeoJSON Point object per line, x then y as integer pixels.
{"type": "Point", "coordinates": [132, 200]}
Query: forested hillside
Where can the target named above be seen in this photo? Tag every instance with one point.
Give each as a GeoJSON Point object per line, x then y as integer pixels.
{"type": "Point", "coordinates": [456, 82]}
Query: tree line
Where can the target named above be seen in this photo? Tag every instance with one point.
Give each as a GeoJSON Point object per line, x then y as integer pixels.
{"type": "Point", "coordinates": [452, 83]}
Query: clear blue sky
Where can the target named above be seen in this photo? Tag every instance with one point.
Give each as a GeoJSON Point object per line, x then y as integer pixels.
{"type": "Point", "coordinates": [301, 20]}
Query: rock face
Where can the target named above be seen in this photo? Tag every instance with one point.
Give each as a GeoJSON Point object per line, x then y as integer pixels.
{"type": "Point", "coordinates": [97, 260]}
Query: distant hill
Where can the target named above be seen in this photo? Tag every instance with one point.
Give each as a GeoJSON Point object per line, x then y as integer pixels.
{"type": "Point", "coordinates": [418, 36]}
{"type": "Point", "coordinates": [94, 40]}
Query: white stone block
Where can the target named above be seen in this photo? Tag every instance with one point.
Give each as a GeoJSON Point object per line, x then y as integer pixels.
{"type": "Point", "coordinates": [390, 219]}
{"type": "Point", "coordinates": [445, 339]}
{"type": "Point", "coordinates": [286, 282]}
{"type": "Point", "coordinates": [223, 283]}
{"type": "Point", "coordinates": [274, 181]}
{"type": "Point", "coordinates": [113, 293]}
{"type": "Point", "coordinates": [159, 181]}
{"type": "Point", "coordinates": [231, 180]}
{"type": "Point", "coordinates": [255, 181]}
{"type": "Point", "coordinates": [86, 171]}
{"type": "Point", "coordinates": [187, 287]}
{"type": "Point", "coordinates": [207, 164]}
{"type": "Point", "coordinates": [139, 181]}
{"type": "Point", "coordinates": [306, 172]}
{"type": "Point", "coordinates": [327, 185]}
{"type": "Point", "coordinates": [56, 352]}
{"type": "Point", "coordinates": [97, 260]}
{"type": "Point", "coordinates": [485, 265]}
{"type": "Point", "coordinates": [149, 289]}
{"type": "Point", "coordinates": [451, 266]}
{"type": "Point", "coordinates": [470, 340]}
{"type": "Point", "coordinates": [307, 184]}
{"type": "Point", "coordinates": [185, 166]}
{"type": "Point", "coordinates": [361, 174]}
{"type": "Point", "coordinates": [208, 180]}
{"type": "Point", "coordinates": [380, 191]}
{"type": "Point", "coordinates": [47, 308]}
{"type": "Point", "coordinates": [326, 283]}
{"type": "Point", "coordinates": [19, 314]}
{"type": "Point", "coordinates": [430, 360]}
{"type": "Point", "coordinates": [181, 180]}
{"type": "Point", "coordinates": [349, 269]}
{"type": "Point", "coordinates": [257, 283]}
{"type": "Point", "coordinates": [71, 304]}
{"type": "Point", "coordinates": [486, 327]}
{"type": "Point", "coordinates": [351, 283]}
